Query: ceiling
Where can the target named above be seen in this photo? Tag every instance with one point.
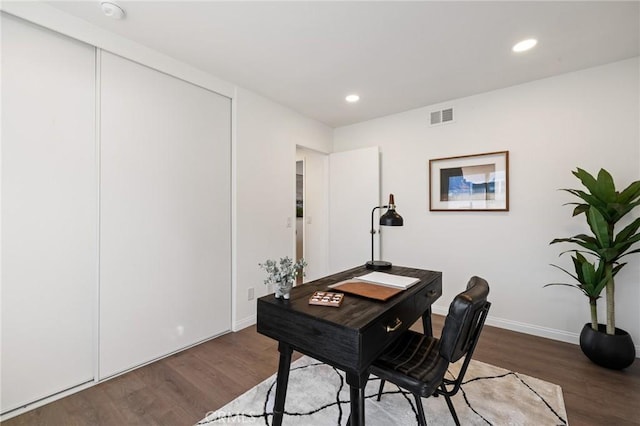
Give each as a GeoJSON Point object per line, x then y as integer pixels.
{"type": "Point", "coordinates": [396, 55]}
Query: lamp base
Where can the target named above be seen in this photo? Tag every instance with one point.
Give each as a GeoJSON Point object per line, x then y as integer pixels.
{"type": "Point", "coordinates": [378, 265]}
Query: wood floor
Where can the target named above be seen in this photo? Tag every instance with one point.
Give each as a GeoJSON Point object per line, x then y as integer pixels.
{"type": "Point", "coordinates": [181, 389]}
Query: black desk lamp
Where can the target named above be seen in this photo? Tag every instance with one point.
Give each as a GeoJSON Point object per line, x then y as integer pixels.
{"type": "Point", "coordinates": [390, 218]}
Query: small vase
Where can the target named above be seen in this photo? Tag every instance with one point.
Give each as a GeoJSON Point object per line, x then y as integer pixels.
{"type": "Point", "coordinates": [283, 289]}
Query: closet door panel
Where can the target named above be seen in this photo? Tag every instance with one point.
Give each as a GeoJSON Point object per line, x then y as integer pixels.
{"type": "Point", "coordinates": [49, 213]}
{"type": "Point", "coordinates": [165, 228]}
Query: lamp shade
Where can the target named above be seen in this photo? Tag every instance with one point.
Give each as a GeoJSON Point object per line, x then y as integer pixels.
{"type": "Point", "coordinates": [391, 218]}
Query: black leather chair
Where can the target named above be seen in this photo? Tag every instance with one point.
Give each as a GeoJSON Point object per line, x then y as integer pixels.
{"type": "Point", "coordinates": [418, 362]}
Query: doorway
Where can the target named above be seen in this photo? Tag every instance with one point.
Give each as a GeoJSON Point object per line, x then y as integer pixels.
{"type": "Point", "coordinates": [299, 213]}
{"type": "Point", "coordinates": [310, 238]}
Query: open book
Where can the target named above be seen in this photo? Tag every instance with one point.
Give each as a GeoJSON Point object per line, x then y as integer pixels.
{"type": "Point", "coordinates": [389, 280]}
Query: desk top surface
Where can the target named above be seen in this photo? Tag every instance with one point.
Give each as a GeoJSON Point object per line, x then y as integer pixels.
{"type": "Point", "coordinates": [355, 312]}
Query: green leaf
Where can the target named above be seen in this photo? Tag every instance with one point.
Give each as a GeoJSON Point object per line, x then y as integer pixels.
{"type": "Point", "coordinates": [617, 211]}
{"type": "Point", "coordinates": [590, 244]}
{"type": "Point", "coordinates": [587, 180]}
{"type": "Point", "coordinates": [633, 205]}
{"type": "Point", "coordinates": [588, 198]}
{"type": "Point", "coordinates": [628, 231]}
{"type": "Point", "coordinates": [625, 245]}
{"type": "Point", "coordinates": [591, 281]}
{"type": "Point", "coordinates": [566, 272]}
{"type": "Point", "coordinates": [579, 251]}
{"type": "Point", "coordinates": [630, 252]}
{"type": "Point", "coordinates": [588, 272]}
{"type": "Point", "coordinates": [565, 284]}
{"type": "Point", "coordinates": [630, 193]}
{"type": "Point", "coordinates": [605, 188]}
{"type": "Point", "coordinates": [599, 227]}
{"type": "Point", "coordinates": [580, 208]}
{"type": "Point", "coordinates": [616, 268]}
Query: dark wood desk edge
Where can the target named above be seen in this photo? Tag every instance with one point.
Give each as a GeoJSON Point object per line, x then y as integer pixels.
{"type": "Point", "coordinates": [326, 281]}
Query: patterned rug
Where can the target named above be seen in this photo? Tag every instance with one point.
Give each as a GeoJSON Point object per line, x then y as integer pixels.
{"type": "Point", "coordinates": [319, 395]}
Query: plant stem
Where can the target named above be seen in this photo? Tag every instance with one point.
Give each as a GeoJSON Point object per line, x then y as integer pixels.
{"type": "Point", "coordinates": [594, 313]}
{"type": "Point", "coordinates": [611, 310]}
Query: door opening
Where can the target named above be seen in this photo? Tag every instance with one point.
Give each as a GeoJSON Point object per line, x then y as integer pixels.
{"type": "Point", "coordinates": [299, 213]}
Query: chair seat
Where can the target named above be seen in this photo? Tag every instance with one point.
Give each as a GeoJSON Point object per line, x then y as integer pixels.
{"type": "Point", "coordinates": [413, 362]}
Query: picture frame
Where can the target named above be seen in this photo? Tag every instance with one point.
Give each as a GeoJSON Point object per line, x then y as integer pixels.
{"type": "Point", "coordinates": [478, 182]}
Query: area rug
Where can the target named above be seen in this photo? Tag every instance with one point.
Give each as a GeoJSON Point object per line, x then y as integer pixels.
{"type": "Point", "coordinates": [319, 395]}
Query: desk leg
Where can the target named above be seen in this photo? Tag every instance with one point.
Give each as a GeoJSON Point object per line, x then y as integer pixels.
{"type": "Point", "coordinates": [427, 329]}
{"type": "Point", "coordinates": [357, 386]}
{"type": "Point", "coordinates": [281, 382]}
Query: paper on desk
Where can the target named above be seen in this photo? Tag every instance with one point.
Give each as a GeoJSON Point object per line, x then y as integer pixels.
{"type": "Point", "coordinates": [398, 281]}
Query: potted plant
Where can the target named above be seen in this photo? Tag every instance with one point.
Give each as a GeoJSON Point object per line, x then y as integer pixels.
{"type": "Point", "coordinates": [282, 274]}
{"type": "Point", "coordinates": [603, 207]}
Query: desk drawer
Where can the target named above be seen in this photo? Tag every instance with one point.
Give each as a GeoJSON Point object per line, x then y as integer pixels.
{"type": "Point", "coordinates": [386, 329]}
{"type": "Point", "coordinates": [426, 296]}
{"type": "Point", "coordinates": [397, 320]}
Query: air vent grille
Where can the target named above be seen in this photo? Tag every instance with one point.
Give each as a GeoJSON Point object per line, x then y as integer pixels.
{"type": "Point", "coordinates": [447, 115]}
{"type": "Point", "coordinates": [441, 117]}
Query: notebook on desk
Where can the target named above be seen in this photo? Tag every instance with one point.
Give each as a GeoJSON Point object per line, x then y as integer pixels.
{"type": "Point", "coordinates": [368, 290]}
{"type": "Point", "coordinates": [376, 285]}
{"type": "Point", "coordinates": [389, 280]}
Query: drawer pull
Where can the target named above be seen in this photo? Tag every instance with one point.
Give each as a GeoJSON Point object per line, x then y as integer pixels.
{"type": "Point", "coordinates": [394, 327]}
{"type": "Point", "coordinates": [431, 293]}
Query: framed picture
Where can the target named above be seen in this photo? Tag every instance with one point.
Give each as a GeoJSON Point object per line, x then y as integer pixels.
{"type": "Point", "coordinates": [470, 183]}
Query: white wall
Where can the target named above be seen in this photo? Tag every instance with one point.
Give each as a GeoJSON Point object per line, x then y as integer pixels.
{"type": "Point", "coordinates": [266, 138]}
{"type": "Point", "coordinates": [588, 119]}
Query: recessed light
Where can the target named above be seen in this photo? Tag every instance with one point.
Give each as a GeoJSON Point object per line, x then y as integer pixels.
{"type": "Point", "coordinates": [112, 10]}
{"type": "Point", "coordinates": [352, 98]}
{"type": "Point", "coordinates": [525, 45]}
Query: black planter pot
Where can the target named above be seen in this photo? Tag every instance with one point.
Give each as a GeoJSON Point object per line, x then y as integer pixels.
{"type": "Point", "coordinates": [610, 351]}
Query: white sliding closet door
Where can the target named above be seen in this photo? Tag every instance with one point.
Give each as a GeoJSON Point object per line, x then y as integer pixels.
{"type": "Point", "coordinates": [165, 227]}
{"type": "Point", "coordinates": [49, 213]}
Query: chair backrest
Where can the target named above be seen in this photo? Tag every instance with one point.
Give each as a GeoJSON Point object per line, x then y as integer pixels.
{"type": "Point", "coordinates": [464, 321]}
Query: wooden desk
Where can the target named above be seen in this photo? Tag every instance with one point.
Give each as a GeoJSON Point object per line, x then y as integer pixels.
{"type": "Point", "coordinates": [350, 337]}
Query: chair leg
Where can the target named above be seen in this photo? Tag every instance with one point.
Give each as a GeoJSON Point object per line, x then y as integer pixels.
{"type": "Point", "coordinates": [422, 421]}
{"type": "Point", "coordinates": [380, 389]}
{"type": "Point", "coordinates": [452, 410]}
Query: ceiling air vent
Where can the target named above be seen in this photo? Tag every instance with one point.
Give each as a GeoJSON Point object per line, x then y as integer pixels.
{"type": "Point", "coordinates": [441, 117]}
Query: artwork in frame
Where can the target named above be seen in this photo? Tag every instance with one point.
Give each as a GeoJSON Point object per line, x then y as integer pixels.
{"type": "Point", "coordinates": [477, 182]}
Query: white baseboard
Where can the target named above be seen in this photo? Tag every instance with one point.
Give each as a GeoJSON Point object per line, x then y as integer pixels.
{"type": "Point", "coordinates": [44, 401]}
{"type": "Point", "coordinates": [244, 323]}
{"type": "Point", "coordinates": [534, 330]}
